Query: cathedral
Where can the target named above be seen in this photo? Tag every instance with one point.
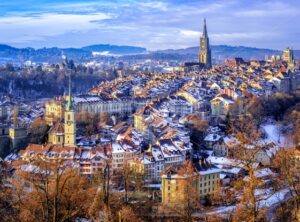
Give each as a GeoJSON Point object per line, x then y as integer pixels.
{"type": "Point", "coordinates": [204, 51]}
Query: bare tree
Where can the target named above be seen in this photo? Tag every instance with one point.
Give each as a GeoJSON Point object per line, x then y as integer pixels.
{"type": "Point", "coordinates": [287, 164]}
{"type": "Point", "coordinates": [51, 191]}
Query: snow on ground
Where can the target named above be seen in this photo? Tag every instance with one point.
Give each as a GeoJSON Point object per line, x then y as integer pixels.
{"type": "Point", "coordinates": [224, 209]}
{"type": "Point", "coordinates": [272, 199]}
{"type": "Point", "coordinates": [268, 199]}
{"type": "Point", "coordinates": [273, 133]}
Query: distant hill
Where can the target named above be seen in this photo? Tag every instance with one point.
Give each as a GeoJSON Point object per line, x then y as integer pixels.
{"type": "Point", "coordinates": [115, 50]}
{"type": "Point", "coordinates": [52, 55]}
{"type": "Point", "coordinates": [223, 51]}
{"type": "Point", "coordinates": [105, 51]}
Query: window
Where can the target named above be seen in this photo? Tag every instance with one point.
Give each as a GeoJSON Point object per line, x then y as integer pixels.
{"type": "Point", "coordinates": [69, 117]}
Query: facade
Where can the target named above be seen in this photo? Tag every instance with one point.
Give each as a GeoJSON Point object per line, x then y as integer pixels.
{"type": "Point", "coordinates": [209, 178]}
{"type": "Point", "coordinates": [56, 134]}
{"type": "Point", "coordinates": [288, 55]}
{"type": "Point", "coordinates": [17, 133]}
{"type": "Point", "coordinates": [175, 188]}
{"type": "Point", "coordinates": [3, 112]}
{"type": "Point", "coordinates": [92, 162]}
{"type": "Point", "coordinates": [94, 104]}
{"type": "Point", "coordinates": [18, 137]}
{"type": "Point", "coordinates": [54, 111]}
{"type": "Point", "coordinates": [70, 121]}
{"type": "Point", "coordinates": [220, 106]}
{"type": "Point", "coordinates": [205, 51]}
{"type": "Point", "coordinates": [180, 107]}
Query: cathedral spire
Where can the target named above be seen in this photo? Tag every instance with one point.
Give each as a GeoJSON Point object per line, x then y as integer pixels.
{"type": "Point", "coordinates": [69, 103]}
{"type": "Point", "coordinates": [204, 28]}
{"type": "Point", "coordinates": [204, 51]}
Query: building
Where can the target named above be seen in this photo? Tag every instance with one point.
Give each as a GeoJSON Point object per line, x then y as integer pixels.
{"type": "Point", "coordinates": [4, 139]}
{"type": "Point", "coordinates": [70, 121]}
{"type": "Point", "coordinates": [220, 105]}
{"type": "Point", "coordinates": [54, 111]}
{"type": "Point", "coordinates": [17, 133]}
{"type": "Point", "coordinates": [288, 55]}
{"type": "Point", "coordinates": [56, 134]}
{"type": "Point", "coordinates": [176, 186]}
{"type": "Point", "coordinates": [205, 51]}
{"type": "Point", "coordinates": [3, 111]}
{"type": "Point", "coordinates": [209, 178]}
{"type": "Point", "coordinates": [177, 182]}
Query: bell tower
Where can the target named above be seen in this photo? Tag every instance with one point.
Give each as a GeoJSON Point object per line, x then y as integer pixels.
{"type": "Point", "coordinates": [70, 120]}
{"type": "Point", "coordinates": [204, 51]}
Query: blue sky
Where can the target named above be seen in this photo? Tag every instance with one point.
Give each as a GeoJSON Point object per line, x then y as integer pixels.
{"type": "Point", "coordinates": [157, 24]}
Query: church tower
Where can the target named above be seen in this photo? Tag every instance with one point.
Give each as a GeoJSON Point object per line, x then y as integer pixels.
{"type": "Point", "coordinates": [70, 120]}
{"type": "Point", "coordinates": [204, 51]}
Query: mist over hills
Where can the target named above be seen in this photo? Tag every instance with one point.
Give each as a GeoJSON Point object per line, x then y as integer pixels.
{"type": "Point", "coordinates": [104, 51]}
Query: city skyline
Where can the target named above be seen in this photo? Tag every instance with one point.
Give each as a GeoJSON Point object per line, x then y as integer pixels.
{"type": "Point", "coordinates": [150, 24]}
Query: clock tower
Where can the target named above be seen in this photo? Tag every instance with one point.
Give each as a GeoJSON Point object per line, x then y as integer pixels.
{"type": "Point", "coordinates": [70, 120]}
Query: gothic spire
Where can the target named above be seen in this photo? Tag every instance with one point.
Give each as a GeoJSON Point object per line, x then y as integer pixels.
{"type": "Point", "coordinates": [16, 113]}
{"type": "Point", "coordinates": [69, 103]}
{"type": "Point", "coordinates": [204, 28]}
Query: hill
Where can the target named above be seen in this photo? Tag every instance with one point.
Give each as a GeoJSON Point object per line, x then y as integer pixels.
{"type": "Point", "coordinates": [105, 51]}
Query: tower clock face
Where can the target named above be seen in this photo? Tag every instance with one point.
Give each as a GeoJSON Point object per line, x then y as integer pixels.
{"type": "Point", "coordinates": [69, 123]}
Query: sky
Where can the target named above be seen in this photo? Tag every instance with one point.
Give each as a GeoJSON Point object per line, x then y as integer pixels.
{"type": "Point", "coordinates": [156, 24]}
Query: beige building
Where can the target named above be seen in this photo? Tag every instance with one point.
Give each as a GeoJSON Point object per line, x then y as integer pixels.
{"type": "Point", "coordinates": [54, 111]}
{"type": "Point", "coordinates": [17, 133]}
{"type": "Point", "coordinates": [175, 188]}
{"type": "Point", "coordinates": [209, 178]}
{"type": "Point", "coordinates": [175, 185]}
{"type": "Point", "coordinates": [56, 134]}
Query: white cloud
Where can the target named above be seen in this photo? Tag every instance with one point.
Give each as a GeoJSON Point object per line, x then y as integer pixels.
{"type": "Point", "coordinates": [190, 33]}
{"type": "Point", "coordinates": [268, 9]}
{"type": "Point", "coordinates": [241, 36]}
{"type": "Point", "coordinates": [16, 29]}
{"type": "Point", "coordinates": [154, 5]}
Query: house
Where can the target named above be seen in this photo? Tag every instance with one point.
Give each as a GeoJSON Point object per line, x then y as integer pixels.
{"type": "Point", "coordinates": [176, 187]}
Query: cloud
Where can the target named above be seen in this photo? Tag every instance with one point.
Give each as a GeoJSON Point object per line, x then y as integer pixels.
{"type": "Point", "coordinates": [241, 36]}
{"type": "Point", "coordinates": [190, 33]}
{"type": "Point", "coordinates": [162, 6]}
{"type": "Point", "coordinates": [153, 24]}
{"type": "Point", "coordinates": [39, 26]}
{"type": "Point", "coordinates": [269, 9]}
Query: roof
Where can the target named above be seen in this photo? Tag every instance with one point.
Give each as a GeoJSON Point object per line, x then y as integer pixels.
{"type": "Point", "coordinates": [57, 128]}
